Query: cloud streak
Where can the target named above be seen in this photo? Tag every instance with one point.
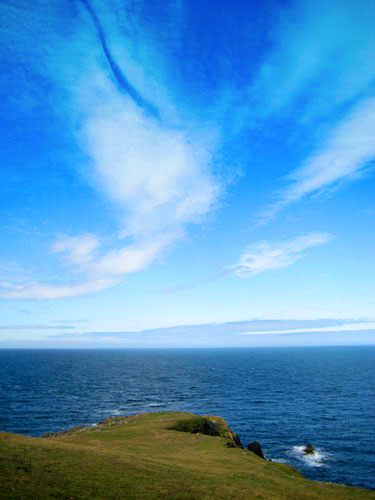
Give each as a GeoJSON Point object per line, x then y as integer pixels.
{"type": "Point", "coordinates": [232, 334]}
{"type": "Point", "coordinates": [41, 291]}
{"type": "Point", "coordinates": [346, 152]}
{"type": "Point", "coordinates": [264, 256]}
{"type": "Point", "coordinates": [348, 149]}
{"type": "Point", "coordinates": [119, 75]}
{"type": "Point", "coordinates": [321, 56]}
{"type": "Point", "coordinates": [76, 250]}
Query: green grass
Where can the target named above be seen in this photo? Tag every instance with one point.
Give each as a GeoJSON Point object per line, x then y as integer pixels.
{"type": "Point", "coordinates": [141, 457]}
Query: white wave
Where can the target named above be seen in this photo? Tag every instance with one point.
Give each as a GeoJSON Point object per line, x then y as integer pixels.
{"type": "Point", "coordinates": [312, 460]}
{"type": "Point", "coordinates": [116, 412]}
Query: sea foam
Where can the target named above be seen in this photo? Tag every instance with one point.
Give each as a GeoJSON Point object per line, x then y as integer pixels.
{"type": "Point", "coordinates": [317, 459]}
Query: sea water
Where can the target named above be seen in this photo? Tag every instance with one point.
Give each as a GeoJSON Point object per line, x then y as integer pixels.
{"type": "Point", "coordinates": [283, 397]}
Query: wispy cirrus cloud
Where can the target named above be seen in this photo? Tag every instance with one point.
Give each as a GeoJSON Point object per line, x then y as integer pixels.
{"type": "Point", "coordinates": [347, 150]}
{"type": "Point", "coordinates": [321, 56]}
{"type": "Point", "coordinates": [345, 153]}
{"type": "Point", "coordinates": [40, 291]}
{"type": "Point", "coordinates": [77, 249]}
{"type": "Point", "coordinates": [265, 256]}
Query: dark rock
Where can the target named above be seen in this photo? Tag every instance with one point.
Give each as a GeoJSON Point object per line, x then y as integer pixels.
{"type": "Point", "coordinates": [309, 449]}
{"type": "Point", "coordinates": [255, 448]}
{"type": "Point", "coordinates": [236, 439]}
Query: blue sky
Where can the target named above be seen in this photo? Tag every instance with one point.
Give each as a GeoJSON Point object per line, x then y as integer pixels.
{"type": "Point", "coordinates": [187, 173]}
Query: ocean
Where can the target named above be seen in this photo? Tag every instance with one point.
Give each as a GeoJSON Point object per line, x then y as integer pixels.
{"type": "Point", "coordinates": [283, 397]}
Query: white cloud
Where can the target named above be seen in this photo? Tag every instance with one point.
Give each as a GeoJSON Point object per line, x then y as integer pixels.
{"type": "Point", "coordinates": [264, 256]}
{"type": "Point", "coordinates": [347, 149]}
{"type": "Point", "coordinates": [319, 63]}
{"type": "Point", "coordinates": [320, 49]}
{"type": "Point", "coordinates": [345, 153]}
{"type": "Point", "coordinates": [40, 291]}
{"type": "Point", "coordinates": [78, 249]}
{"type": "Point", "coordinates": [157, 174]}
{"type": "Point", "coordinates": [131, 258]}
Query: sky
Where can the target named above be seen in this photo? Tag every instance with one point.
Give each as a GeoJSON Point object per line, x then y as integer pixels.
{"type": "Point", "coordinates": [187, 174]}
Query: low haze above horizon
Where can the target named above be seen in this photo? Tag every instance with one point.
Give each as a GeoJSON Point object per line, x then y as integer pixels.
{"type": "Point", "coordinates": [187, 174]}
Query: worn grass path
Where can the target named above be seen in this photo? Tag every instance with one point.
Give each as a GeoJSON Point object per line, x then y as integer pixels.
{"type": "Point", "coordinates": [140, 458]}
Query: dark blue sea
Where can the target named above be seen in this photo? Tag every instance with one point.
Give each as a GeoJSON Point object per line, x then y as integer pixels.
{"type": "Point", "coordinates": [283, 397]}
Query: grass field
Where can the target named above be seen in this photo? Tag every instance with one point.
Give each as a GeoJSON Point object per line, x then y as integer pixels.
{"type": "Point", "coordinates": [140, 457]}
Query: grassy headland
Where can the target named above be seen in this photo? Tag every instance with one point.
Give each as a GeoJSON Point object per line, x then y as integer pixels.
{"type": "Point", "coordinates": [145, 457]}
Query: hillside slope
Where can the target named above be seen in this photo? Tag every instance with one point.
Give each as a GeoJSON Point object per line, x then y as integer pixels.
{"type": "Point", "coordinates": [141, 457]}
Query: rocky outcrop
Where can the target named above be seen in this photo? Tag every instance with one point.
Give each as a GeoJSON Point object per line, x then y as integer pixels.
{"type": "Point", "coordinates": [210, 426]}
{"type": "Point", "coordinates": [309, 449]}
{"type": "Point", "coordinates": [197, 425]}
{"type": "Point", "coordinates": [256, 448]}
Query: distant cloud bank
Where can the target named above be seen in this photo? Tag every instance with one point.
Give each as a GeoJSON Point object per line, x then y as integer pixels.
{"type": "Point", "coordinates": [253, 333]}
